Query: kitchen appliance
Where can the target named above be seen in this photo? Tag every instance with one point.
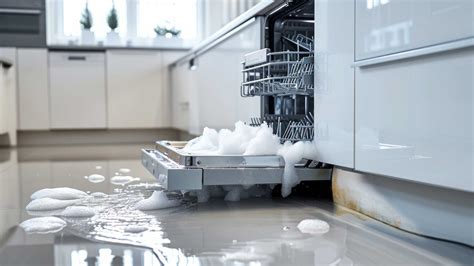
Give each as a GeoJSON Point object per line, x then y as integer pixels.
{"type": "Point", "coordinates": [23, 23]}
{"type": "Point", "coordinates": [282, 75]}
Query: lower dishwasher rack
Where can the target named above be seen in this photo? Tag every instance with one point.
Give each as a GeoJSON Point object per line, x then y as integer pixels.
{"type": "Point", "coordinates": [178, 170]}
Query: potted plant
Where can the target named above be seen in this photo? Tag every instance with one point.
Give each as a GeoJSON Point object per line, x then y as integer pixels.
{"type": "Point", "coordinates": [87, 36]}
{"type": "Point", "coordinates": [112, 21]}
{"type": "Point", "coordinates": [167, 36]}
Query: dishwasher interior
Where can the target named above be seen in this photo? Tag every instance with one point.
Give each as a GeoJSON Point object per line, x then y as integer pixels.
{"type": "Point", "coordinates": [282, 75]}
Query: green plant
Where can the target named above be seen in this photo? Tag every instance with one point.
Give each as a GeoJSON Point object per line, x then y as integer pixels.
{"type": "Point", "coordinates": [164, 31]}
{"type": "Point", "coordinates": [86, 20]}
{"type": "Point", "coordinates": [112, 19]}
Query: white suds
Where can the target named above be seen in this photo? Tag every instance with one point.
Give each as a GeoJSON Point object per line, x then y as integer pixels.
{"type": "Point", "coordinates": [95, 178]}
{"type": "Point", "coordinates": [98, 195]}
{"type": "Point", "coordinates": [48, 204]}
{"type": "Point", "coordinates": [247, 140]}
{"type": "Point", "coordinates": [135, 229]}
{"type": "Point", "coordinates": [313, 226]}
{"type": "Point", "coordinates": [78, 211]}
{"type": "Point", "coordinates": [43, 225]}
{"type": "Point", "coordinates": [157, 200]}
{"type": "Point", "coordinates": [61, 193]}
{"type": "Point", "coordinates": [123, 179]}
{"type": "Point", "coordinates": [124, 170]}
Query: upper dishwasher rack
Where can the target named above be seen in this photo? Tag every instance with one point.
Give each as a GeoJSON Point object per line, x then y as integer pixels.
{"type": "Point", "coordinates": [278, 73]}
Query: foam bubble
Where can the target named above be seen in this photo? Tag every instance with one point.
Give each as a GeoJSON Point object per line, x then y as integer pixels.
{"type": "Point", "coordinates": [157, 200]}
{"type": "Point", "coordinates": [313, 226]}
{"type": "Point", "coordinates": [135, 229]}
{"type": "Point", "coordinates": [61, 193]}
{"type": "Point", "coordinates": [99, 195]}
{"type": "Point", "coordinates": [43, 225]}
{"type": "Point", "coordinates": [233, 195]}
{"type": "Point", "coordinates": [123, 179]}
{"type": "Point", "coordinates": [124, 170]}
{"type": "Point", "coordinates": [48, 204]}
{"type": "Point", "coordinates": [96, 178]}
{"type": "Point", "coordinates": [78, 211]}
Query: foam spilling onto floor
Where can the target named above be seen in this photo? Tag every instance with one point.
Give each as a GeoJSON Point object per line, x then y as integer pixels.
{"type": "Point", "coordinates": [48, 204]}
{"type": "Point", "coordinates": [247, 140]}
{"type": "Point", "coordinates": [123, 179]}
{"type": "Point", "coordinates": [43, 225]}
{"type": "Point", "coordinates": [157, 200]}
{"type": "Point", "coordinates": [60, 193]}
{"type": "Point", "coordinates": [95, 178]}
{"type": "Point", "coordinates": [313, 226]}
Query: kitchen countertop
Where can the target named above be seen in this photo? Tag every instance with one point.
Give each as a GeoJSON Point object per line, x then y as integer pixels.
{"type": "Point", "coordinates": [259, 231]}
{"type": "Point", "coordinates": [96, 48]}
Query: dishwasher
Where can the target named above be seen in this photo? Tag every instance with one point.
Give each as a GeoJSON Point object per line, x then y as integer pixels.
{"type": "Point", "coordinates": [282, 75]}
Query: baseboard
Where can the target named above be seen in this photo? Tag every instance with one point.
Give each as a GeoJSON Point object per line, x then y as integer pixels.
{"type": "Point", "coordinates": [80, 137]}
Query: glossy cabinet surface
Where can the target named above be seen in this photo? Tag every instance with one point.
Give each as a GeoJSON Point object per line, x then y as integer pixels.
{"type": "Point", "coordinates": [390, 26]}
{"type": "Point", "coordinates": [33, 89]}
{"type": "Point", "coordinates": [77, 90]}
{"type": "Point", "coordinates": [181, 84]}
{"type": "Point", "coordinates": [415, 119]}
{"type": "Point", "coordinates": [135, 93]}
{"type": "Point", "coordinates": [334, 82]}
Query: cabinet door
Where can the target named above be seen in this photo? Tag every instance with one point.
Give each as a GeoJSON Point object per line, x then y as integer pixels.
{"type": "Point", "coordinates": [168, 58]}
{"type": "Point", "coordinates": [414, 119]}
{"type": "Point", "coordinates": [135, 90]}
{"type": "Point", "coordinates": [77, 90]}
{"type": "Point", "coordinates": [33, 95]}
{"type": "Point", "coordinates": [182, 80]}
{"type": "Point", "coordinates": [390, 26]}
{"type": "Point", "coordinates": [334, 82]}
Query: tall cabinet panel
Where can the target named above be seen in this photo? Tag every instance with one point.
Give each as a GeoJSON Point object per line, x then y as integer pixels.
{"type": "Point", "coordinates": [33, 99]}
{"type": "Point", "coordinates": [77, 90]}
{"type": "Point", "coordinates": [334, 82]}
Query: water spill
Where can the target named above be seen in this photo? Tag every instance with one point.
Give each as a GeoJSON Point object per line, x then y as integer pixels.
{"type": "Point", "coordinates": [123, 179]}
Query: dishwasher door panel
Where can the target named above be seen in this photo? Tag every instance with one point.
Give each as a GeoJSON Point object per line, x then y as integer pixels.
{"type": "Point", "coordinates": [77, 90]}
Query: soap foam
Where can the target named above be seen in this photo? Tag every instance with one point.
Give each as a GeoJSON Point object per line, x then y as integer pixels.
{"type": "Point", "coordinates": [124, 170]}
{"type": "Point", "coordinates": [95, 178]}
{"type": "Point", "coordinates": [48, 204]}
{"type": "Point", "coordinates": [135, 229]}
{"type": "Point", "coordinates": [43, 225]}
{"type": "Point", "coordinates": [313, 226]}
{"type": "Point", "coordinates": [157, 200]}
{"type": "Point", "coordinates": [98, 195]}
{"type": "Point", "coordinates": [247, 140]}
{"type": "Point", "coordinates": [60, 193]}
{"type": "Point", "coordinates": [123, 179]}
{"type": "Point", "coordinates": [78, 211]}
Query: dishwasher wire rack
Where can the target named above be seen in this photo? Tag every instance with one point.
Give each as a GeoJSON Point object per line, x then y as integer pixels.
{"type": "Point", "coordinates": [278, 74]}
{"type": "Point", "coordinates": [289, 128]}
{"type": "Point", "coordinates": [301, 41]}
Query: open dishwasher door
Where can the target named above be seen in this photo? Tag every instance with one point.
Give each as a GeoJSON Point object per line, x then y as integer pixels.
{"type": "Point", "coordinates": [282, 76]}
{"type": "Point", "coordinates": [179, 170]}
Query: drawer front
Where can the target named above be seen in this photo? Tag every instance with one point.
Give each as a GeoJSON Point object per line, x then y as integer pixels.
{"type": "Point", "coordinates": [414, 119]}
{"type": "Point", "coordinates": [384, 27]}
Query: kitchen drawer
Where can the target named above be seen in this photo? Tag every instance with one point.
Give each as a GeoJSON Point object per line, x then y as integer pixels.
{"type": "Point", "coordinates": [385, 27]}
{"type": "Point", "coordinates": [77, 90]}
{"type": "Point", "coordinates": [414, 119]}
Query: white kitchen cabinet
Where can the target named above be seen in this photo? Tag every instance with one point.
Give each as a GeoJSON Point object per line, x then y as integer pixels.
{"type": "Point", "coordinates": [414, 119]}
{"type": "Point", "coordinates": [77, 90]}
{"type": "Point", "coordinates": [168, 57]}
{"type": "Point", "coordinates": [33, 90]}
{"type": "Point", "coordinates": [386, 27]}
{"type": "Point", "coordinates": [182, 82]}
{"type": "Point", "coordinates": [135, 89]}
{"type": "Point", "coordinates": [334, 82]}
{"type": "Point", "coordinates": [8, 91]}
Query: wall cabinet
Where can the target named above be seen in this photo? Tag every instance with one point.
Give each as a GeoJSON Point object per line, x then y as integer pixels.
{"type": "Point", "coordinates": [33, 88]}
{"type": "Point", "coordinates": [77, 90]}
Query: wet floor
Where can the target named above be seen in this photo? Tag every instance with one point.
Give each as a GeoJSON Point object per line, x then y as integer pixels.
{"type": "Point", "coordinates": [250, 232]}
